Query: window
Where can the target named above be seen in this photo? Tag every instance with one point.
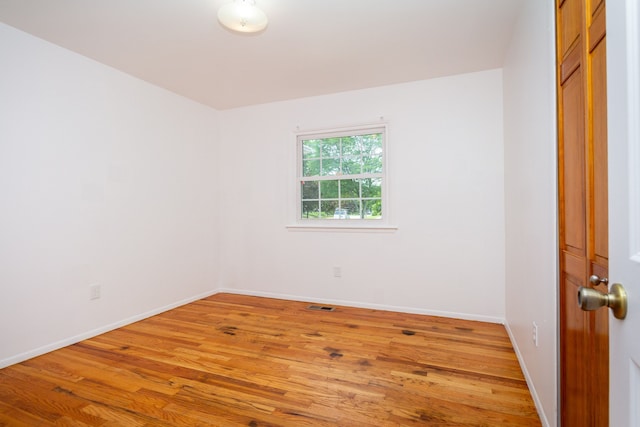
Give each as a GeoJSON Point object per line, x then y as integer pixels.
{"type": "Point", "coordinates": [341, 175]}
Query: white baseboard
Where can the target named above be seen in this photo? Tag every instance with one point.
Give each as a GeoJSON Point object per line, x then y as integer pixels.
{"type": "Point", "coordinates": [401, 309]}
{"type": "Point", "coordinates": [92, 333]}
{"type": "Point", "coordinates": [536, 399]}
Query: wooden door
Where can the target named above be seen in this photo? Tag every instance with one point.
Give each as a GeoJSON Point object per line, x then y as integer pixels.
{"type": "Point", "coordinates": [583, 217]}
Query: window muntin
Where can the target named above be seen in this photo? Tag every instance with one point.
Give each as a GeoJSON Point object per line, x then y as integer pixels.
{"type": "Point", "coordinates": [341, 175]}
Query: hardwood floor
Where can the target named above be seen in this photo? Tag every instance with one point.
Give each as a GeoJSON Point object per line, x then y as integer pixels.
{"type": "Point", "coordinates": [231, 360]}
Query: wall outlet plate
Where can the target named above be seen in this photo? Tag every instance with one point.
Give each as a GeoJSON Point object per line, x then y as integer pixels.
{"type": "Point", "coordinates": [94, 291]}
{"type": "Point", "coordinates": [337, 271]}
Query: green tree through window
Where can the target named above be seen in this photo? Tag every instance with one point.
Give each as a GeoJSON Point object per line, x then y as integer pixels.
{"type": "Point", "coordinates": [341, 175]}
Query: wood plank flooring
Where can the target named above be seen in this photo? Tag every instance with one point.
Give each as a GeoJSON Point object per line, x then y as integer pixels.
{"type": "Point", "coordinates": [232, 360]}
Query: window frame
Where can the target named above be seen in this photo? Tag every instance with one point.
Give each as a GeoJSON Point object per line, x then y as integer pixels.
{"type": "Point", "coordinates": [334, 223]}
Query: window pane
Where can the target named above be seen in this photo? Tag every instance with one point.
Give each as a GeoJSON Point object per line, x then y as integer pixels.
{"type": "Point", "coordinates": [351, 166]}
{"type": "Point", "coordinates": [372, 165]}
{"type": "Point", "coordinates": [371, 187]}
{"type": "Point", "coordinates": [329, 208]}
{"type": "Point", "coordinates": [310, 167]}
{"type": "Point", "coordinates": [311, 149]}
{"type": "Point", "coordinates": [349, 188]}
{"type": "Point", "coordinates": [330, 147]}
{"type": "Point", "coordinates": [352, 207]}
{"type": "Point", "coordinates": [329, 189]}
{"type": "Point", "coordinates": [330, 167]}
{"type": "Point", "coordinates": [350, 147]}
{"type": "Point", "coordinates": [310, 190]}
{"type": "Point", "coordinates": [372, 209]}
{"type": "Point", "coordinates": [311, 209]}
{"type": "Point", "coordinates": [372, 145]}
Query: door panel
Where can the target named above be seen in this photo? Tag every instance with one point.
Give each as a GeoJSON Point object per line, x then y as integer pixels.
{"type": "Point", "coordinates": [569, 13]}
{"type": "Point", "coordinates": [598, 58]}
{"type": "Point", "coordinates": [574, 346]}
{"type": "Point", "coordinates": [573, 177]}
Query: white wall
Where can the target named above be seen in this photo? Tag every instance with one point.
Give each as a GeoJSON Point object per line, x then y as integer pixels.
{"type": "Point", "coordinates": [530, 200]}
{"type": "Point", "coordinates": [103, 179]}
{"type": "Point", "coordinates": [445, 150]}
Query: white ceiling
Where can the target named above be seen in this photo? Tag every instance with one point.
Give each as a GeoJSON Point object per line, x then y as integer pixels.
{"type": "Point", "coordinates": [311, 47]}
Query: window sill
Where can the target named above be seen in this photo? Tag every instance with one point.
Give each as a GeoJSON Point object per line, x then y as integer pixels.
{"type": "Point", "coordinates": [360, 227]}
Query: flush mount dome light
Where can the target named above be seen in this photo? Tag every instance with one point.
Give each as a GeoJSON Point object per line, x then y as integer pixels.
{"type": "Point", "coordinates": [242, 16]}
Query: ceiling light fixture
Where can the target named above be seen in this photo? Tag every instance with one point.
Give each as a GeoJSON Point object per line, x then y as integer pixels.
{"type": "Point", "coordinates": [242, 16]}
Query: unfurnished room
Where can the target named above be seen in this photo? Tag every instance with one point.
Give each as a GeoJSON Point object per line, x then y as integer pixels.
{"type": "Point", "coordinates": [319, 213]}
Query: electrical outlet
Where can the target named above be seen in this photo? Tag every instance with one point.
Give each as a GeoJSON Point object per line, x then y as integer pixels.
{"type": "Point", "coordinates": [94, 291]}
{"type": "Point", "coordinates": [535, 334]}
{"type": "Point", "coordinates": [337, 271]}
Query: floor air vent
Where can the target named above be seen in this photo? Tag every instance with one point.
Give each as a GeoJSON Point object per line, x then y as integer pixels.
{"type": "Point", "coordinates": [320, 308]}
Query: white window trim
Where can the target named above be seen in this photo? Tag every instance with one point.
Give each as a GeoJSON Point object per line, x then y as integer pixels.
{"type": "Point", "coordinates": [375, 225]}
{"type": "Point", "coordinates": [346, 227]}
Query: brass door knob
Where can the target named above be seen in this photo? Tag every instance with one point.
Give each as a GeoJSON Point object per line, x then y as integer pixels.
{"type": "Point", "coordinates": [590, 299]}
